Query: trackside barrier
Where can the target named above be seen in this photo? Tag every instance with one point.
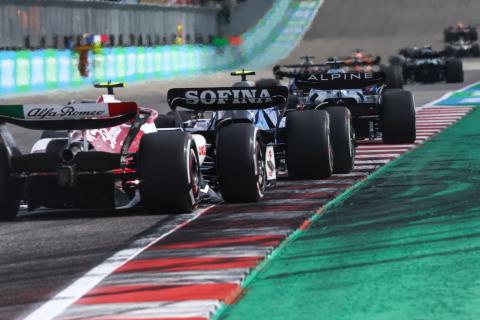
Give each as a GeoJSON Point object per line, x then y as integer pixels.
{"type": "Point", "coordinates": [273, 38]}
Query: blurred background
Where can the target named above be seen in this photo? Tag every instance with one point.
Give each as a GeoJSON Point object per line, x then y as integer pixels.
{"type": "Point", "coordinates": [57, 44]}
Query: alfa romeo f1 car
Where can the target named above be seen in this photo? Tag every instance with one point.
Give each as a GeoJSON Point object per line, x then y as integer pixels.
{"type": "Point", "coordinates": [427, 66]}
{"type": "Point", "coordinates": [251, 136]}
{"type": "Point", "coordinates": [376, 110]}
{"type": "Point", "coordinates": [460, 41]}
{"type": "Point", "coordinates": [91, 150]}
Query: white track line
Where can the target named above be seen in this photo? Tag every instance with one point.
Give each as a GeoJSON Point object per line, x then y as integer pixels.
{"type": "Point", "coordinates": [92, 278]}
{"type": "Point", "coordinates": [446, 96]}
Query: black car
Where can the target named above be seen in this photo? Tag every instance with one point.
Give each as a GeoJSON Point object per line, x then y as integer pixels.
{"type": "Point", "coordinates": [425, 65]}
{"type": "Point", "coordinates": [460, 41]}
{"type": "Point", "coordinates": [251, 134]}
{"type": "Point", "coordinates": [376, 110]}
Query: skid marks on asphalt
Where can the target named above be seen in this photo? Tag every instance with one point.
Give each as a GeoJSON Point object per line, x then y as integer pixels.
{"type": "Point", "coordinates": [190, 273]}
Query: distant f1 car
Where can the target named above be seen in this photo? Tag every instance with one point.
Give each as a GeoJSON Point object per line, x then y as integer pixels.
{"type": "Point", "coordinates": [427, 66]}
{"type": "Point", "coordinates": [251, 136]}
{"type": "Point", "coordinates": [91, 150]}
{"type": "Point", "coordinates": [460, 41]}
{"type": "Point", "coordinates": [376, 110]}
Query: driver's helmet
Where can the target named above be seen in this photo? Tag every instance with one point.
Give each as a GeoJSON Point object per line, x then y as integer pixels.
{"type": "Point", "coordinates": [308, 67]}
{"type": "Point", "coordinates": [460, 25]}
{"type": "Point", "coordinates": [358, 54]}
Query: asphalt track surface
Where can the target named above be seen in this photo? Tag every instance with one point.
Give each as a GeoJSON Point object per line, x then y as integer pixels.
{"type": "Point", "coordinates": [41, 253]}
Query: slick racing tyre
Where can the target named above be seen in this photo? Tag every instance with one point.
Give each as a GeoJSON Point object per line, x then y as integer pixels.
{"type": "Point", "coordinates": [398, 117]}
{"type": "Point", "coordinates": [164, 121]}
{"type": "Point", "coordinates": [399, 63]}
{"type": "Point", "coordinates": [8, 204]}
{"type": "Point", "coordinates": [309, 151]}
{"type": "Point", "coordinates": [266, 82]}
{"type": "Point", "coordinates": [472, 34]}
{"type": "Point", "coordinates": [448, 35]}
{"type": "Point", "coordinates": [393, 74]}
{"type": "Point", "coordinates": [169, 172]}
{"type": "Point", "coordinates": [454, 70]}
{"type": "Point", "coordinates": [475, 50]}
{"type": "Point", "coordinates": [342, 137]}
{"type": "Point", "coordinates": [240, 163]}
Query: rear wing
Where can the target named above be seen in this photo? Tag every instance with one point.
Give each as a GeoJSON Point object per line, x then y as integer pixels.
{"type": "Point", "coordinates": [227, 98]}
{"type": "Point", "coordinates": [82, 116]}
{"type": "Point", "coordinates": [292, 70]}
{"type": "Point", "coordinates": [338, 81]}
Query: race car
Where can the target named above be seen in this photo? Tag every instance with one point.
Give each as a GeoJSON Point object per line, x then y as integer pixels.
{"type": "Point", "coordinates": [358, 62]}
{"type": "Point", "coordinates": [460, 41]}
{"type": "Point", "coordinates": [91, 154]}
{"type": "Point", "coordinates": [425, 65]}
{"type": "Point", "coordinates": [376, 110]}
{"type": "Point", "coordinates": [252, 137]}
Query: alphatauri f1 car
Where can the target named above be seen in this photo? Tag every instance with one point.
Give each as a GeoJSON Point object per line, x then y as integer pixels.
{"type": "Point", "coordinates": [89, 151]}
{"type": "Point", "coordinates": [427, 66]}
{"type": "Point", "coordinates": [376, 110]}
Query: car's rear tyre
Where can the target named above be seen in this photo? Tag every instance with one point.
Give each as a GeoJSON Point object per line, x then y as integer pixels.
{"type": "Point", "coordinates": [399, 63]}
{"type": "Point", "coordinates": [473, 34]}
{"type": "Point", "coordinates": [240, 163]}
{"type": "Point", "coordinates": [448, 35]}
{"type": "Point", "coordinates": [476, 50]}
{"type": "Point", "coordinates": [266, 82]}
{"type": "Point", "coordinates": [169, 172]}
{"type": "Point", "coordinates": [398, 117]}
{"type": "Point", "coordinates": [309, 151]}
{"type": "Point", "coordinates": [393, 74]}
{"type": "Point", "coordinates": [454, 70]}
{"type": "Point", "coordinates": [167, 121]}
{"type": "Point", "coordinates": [8, 204]}
{"type": "Point", "coordinates": [342, 138]}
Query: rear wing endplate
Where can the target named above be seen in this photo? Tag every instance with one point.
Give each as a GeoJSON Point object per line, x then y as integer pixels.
{"type": "Point", "coordinates": [227, 98]}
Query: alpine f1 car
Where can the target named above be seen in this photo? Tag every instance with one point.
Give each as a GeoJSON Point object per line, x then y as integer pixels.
{"type": "Point", "coordinates": [89, 151]}
{"type": "Point", "coordinates": [460, 41]}
{"type": "Point", "coordinates": [358, 62]}
{"type": "Point", "coordinates": [376, 110]}
{"type": "Point", "coordinates": [427, 66]}
{"type": "Point", "coordinates": [251, 136]}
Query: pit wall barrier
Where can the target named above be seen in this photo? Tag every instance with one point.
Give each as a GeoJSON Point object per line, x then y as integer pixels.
{"type": "Point", "coordinates": [272, 39]}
